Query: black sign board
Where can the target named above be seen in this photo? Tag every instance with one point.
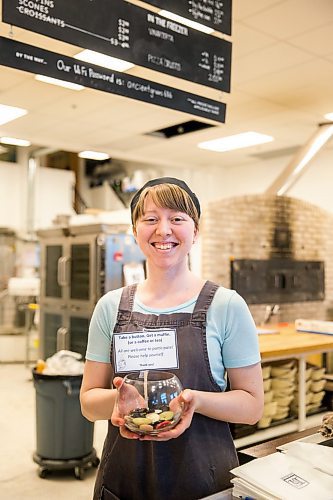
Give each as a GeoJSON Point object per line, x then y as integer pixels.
{"type": "Point", "coordinates": [123, 30]}
{"type": "Point", "coordinates": [215, 14]}
{"type": "Point", "coordinates": [35, 60]}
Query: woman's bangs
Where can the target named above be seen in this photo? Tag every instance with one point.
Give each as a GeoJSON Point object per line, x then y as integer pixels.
{"type": "Point", "coordinates": [169, 196]}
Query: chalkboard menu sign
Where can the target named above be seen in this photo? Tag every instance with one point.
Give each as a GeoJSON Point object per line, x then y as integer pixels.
{"type": "Point", "coordinates": [129, 32]}
{"type": "Point", "coordinates": [215, 14]}
{"type": "Point", "coordinates": [35, 60]}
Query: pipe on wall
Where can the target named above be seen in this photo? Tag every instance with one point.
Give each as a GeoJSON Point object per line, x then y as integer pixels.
{"type": "Point", "coordinates": [304, 155]}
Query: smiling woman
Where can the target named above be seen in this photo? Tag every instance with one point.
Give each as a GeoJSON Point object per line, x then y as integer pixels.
{"type": "Point", "coordinates": [193, 328]}
{"type": "Point", "coordinates": [165, 236]}
{"type": "Point", "coordinates": [169, 197]}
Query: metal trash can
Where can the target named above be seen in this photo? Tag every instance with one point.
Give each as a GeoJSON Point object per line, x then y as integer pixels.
{"type": "Point", "coordinates": [64, 437]}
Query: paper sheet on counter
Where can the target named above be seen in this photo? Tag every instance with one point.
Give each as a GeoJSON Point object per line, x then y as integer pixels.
{"type": "Point", "coordinates": [315, 438]}
{"type": "Point", "coordinates": [319, 457]}
{"type": "Point", "coordinates": [286, 477]}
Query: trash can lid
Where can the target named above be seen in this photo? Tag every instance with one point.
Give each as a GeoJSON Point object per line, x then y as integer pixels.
{"type": "Point", "coordinates": [44, 376]}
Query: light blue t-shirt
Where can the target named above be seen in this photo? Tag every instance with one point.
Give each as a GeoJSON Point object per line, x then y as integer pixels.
{"type": "Point", "coordinates": [232, 340]}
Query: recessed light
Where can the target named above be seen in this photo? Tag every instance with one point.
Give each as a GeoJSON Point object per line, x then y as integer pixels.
{"type": "Point", "coordinates": [238, 141]}
{"type": "Point", "coordinates": [9, 113]}
{"type": "Point", "coordinates": [59, 83]}
{"type": "Point", "coordinates": [14, 141]}
{"type": "Point", "coordinates": [94, 155]}
{"type": "Point", "coordinates": [103, 60]}
{"type": "Point", "coordinates": [187, 22]}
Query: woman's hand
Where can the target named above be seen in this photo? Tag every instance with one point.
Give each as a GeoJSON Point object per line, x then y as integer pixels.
{"type": "Point", "coordinates": [124, 404]}
{"type": "Point", "coordinates": [187, 400]}
{"type": "Point", "coordinates": [128, 398]}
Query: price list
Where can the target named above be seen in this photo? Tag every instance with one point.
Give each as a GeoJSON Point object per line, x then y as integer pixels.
{"type": "Point", "coordinates": [215, 14]}
{"type": "Point", "coordinates": [214, 66]}
{"type": "Point", "coordinates": [123, 35]}
{"type": "Point", "coordinates": [129, 32]}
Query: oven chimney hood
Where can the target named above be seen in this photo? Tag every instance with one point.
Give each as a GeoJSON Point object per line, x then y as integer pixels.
{"type": "Point", "coordinates": [296, 166]}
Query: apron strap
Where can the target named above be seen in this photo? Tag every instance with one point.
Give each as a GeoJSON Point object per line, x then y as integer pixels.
{"type": "Point", "coordinates": [125, 305]}
{"type": "Point", "coordinates": [127, 297]}
{"type": "Point", "coordinates": [203, 302]}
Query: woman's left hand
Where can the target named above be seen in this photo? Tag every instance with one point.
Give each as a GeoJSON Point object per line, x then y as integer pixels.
{"type": "Point", "coordinates": [186, 399]}
{"type": "Point", "coordinates": [127, 396]}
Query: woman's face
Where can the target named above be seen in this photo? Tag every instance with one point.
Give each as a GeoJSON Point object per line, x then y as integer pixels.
{"type": "Point", "coordinates": [165, 236]}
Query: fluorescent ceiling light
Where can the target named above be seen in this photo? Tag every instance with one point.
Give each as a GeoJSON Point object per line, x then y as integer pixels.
{"type": "Point", "coordinates": [238, 141]}
{"type": "Point", "coordinates": [14, 141]}
{"type": "Point", "coordinates": [329, 116]}
{"type": "Point", "coordinates": [103, 60]}
{"type": "Point", "coordinates": [59, 83]}
{"type": "Point", "coordinates": [9, 113]}
{"type": "Point", "coordinates": [187, 22]}
{"type": "Point", "coordinates": [94, 155]}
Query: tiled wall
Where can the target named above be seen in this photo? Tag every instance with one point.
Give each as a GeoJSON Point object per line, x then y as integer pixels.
{"type": "Point", "coordinates": [244, 228]}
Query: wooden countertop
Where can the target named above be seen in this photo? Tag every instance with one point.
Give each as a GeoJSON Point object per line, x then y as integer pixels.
{"type": "Point", "coordinates": [289, 342]}
{"type": "Point", "coordinates": [268, 447]}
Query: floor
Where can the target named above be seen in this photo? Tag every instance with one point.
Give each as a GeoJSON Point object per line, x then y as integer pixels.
{"type": "Point", "coordinates": [18, 472]}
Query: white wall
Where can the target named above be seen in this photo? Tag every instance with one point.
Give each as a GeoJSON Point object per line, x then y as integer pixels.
{"type": "Point", "coordinates": [53, 195]}
{"type": "Point", "coordinates": [12, 195]}
{"type": "Point", "coordinates": [103, 197]}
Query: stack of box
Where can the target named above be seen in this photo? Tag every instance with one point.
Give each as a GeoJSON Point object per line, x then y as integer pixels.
{"type": "Point", "coordinates": [270, 405]}
{"type": "Point", "coordinates": [317, 388]}
{"type": "Point", "coordinates": [283, 385]}
{"type": "Point", "coordinates": [328, 398]}
{"type": "Point", "coordinates": [314, 385]}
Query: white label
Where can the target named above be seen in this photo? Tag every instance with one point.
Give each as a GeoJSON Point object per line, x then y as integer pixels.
{"type": "Point", "coordinates": [148, 349]}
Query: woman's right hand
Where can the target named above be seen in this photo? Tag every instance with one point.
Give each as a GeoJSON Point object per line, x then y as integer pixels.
{"type": "Point", "coordinates": [128, 398]}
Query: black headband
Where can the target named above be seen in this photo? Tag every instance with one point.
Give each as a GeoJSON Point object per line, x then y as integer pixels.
{"type": "Point", "coordinates": [166, 180]}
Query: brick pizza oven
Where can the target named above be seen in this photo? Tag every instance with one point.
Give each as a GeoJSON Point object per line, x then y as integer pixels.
{"type": "Point", "coordinates": [272, 250]}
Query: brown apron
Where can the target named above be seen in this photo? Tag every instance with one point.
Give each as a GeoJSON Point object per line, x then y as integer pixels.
{"type": "Point", "coordinates": [197, 463]}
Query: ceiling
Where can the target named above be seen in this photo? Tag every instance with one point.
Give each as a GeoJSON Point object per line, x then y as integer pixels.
{"type": "Point", "coordinates": [281, 85]}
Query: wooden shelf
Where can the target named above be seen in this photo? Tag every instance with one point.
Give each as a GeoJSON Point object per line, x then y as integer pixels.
{"type": "Point", "coordinates": [277, 431]}
{"type": "Point", "coordinates": [290, 344]}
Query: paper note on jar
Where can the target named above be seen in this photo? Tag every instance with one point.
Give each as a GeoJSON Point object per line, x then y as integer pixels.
{"type": "Point", "coordinates": [149, 349]}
